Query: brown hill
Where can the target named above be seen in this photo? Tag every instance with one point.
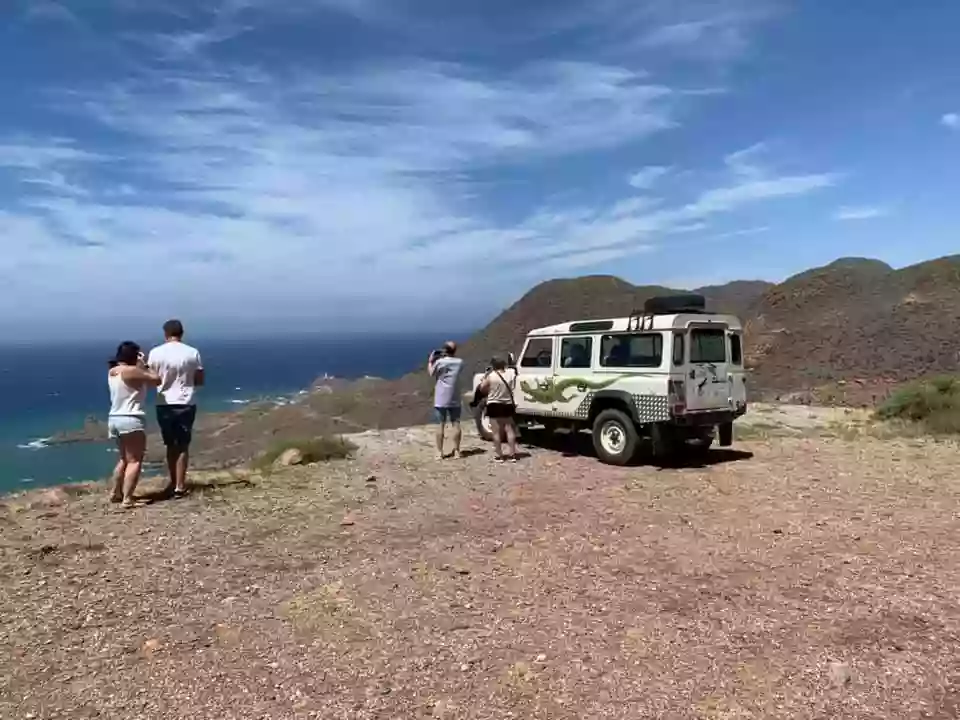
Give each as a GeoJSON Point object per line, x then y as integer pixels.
{"type": "Point", "coordinates": [856, 320]}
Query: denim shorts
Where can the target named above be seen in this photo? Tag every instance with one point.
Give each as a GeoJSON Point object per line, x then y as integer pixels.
{"type": "Point", "coordinates": [446, 414]}
{"type": "Point", "coordinates": [118, 425]}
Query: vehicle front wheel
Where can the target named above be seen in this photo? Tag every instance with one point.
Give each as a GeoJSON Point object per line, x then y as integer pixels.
{"type": "Point", "coordinates": [484, 426]}
{"type": "Point", "coordinates": [615, 437]}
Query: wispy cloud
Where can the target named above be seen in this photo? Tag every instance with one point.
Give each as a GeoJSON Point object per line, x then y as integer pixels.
{"type": "Point", "coordinates": [719, 30]}
{"type": "Point", "coordinates": [26, 154]}
{"type": "Point", "coordinates": [49, 11]}
{"type": "Point", "coordinates": [860, 212]}
{"type": "Point", "coordinates": [951, 120]}
{"type": "Point", "coordinates": [748, 161]}
{"type": "Point", "coordinates": [742, 232]}
{"type": "Point", "coordinates": [647, 177]}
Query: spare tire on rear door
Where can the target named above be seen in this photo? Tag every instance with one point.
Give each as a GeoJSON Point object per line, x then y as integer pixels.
{"type": "Point", "coordinates": [484, 428]}
{"type": "Point", "coordinates": [670, 304]}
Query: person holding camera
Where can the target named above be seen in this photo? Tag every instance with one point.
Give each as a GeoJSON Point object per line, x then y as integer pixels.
{"type": "Point", "coordinates": [498, 386]}
{"type": "Point", "coordinates": [445, 367]}
{"type": "Point", "coordinates": [128, 379]}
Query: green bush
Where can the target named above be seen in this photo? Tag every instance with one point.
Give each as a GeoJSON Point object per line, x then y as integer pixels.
{"type": "Point", "coordinates": [932, 402]}
{"type": "Point", "coordinates": [314, 450]}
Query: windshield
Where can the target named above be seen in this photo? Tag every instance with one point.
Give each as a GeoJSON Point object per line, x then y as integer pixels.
{"type": "Point", "coordinates": [708, 346]}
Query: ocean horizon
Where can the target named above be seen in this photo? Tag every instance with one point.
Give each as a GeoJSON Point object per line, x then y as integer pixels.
{"type": "Point", "coordinates": [45, 390]}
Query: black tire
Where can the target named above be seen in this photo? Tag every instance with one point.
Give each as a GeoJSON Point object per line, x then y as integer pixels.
{"type": "Point", "coordinates": [480, 416]}
{"type": "Point", "coordinates": [615, 437]}
{"type": "Point", "coordinates": [725, 434]}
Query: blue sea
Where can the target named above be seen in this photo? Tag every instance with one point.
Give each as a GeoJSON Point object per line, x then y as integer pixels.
{"type": "Point", "coordinates": [47, 389]}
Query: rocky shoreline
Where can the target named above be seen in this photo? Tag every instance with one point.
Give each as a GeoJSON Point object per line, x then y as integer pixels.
{"type": "Point", "coordinates": [93, 430]}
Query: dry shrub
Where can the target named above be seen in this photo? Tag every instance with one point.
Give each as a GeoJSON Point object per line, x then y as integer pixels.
{"type": "Point", "coordinates": [314, 450]}
{"type": "Point", "coordinates": [933, 403]}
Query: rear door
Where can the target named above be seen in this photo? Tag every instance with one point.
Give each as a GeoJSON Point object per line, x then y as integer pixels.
{"type": "Point", "coordinates": [738, 373]}
{"type": "Point", "coordinates": [708, 368]}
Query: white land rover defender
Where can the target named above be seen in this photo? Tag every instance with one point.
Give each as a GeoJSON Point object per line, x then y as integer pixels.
{"type": "Point", "coordinates": [671, 375]}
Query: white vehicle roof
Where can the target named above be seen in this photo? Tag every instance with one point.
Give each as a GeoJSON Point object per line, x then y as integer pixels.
{"type": "Point", "coordinates": [637, 323]}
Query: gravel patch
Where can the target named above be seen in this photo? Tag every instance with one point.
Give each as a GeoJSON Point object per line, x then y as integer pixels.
{"type": "Point", "coordinates": [816, 579]}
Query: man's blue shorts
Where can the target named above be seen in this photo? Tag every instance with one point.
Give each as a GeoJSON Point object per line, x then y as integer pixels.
{"type": "Point", "coordinates": [446, 414]}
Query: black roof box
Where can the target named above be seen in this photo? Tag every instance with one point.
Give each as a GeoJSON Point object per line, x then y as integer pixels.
{"type": "Point", "coordinates": [675, 304]}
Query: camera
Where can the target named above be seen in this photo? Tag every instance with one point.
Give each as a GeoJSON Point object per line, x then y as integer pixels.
{"type": "Point", "coordinates": [438, 353]}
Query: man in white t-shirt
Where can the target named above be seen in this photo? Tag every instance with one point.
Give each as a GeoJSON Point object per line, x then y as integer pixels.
{"type": "Point", "coordinates": [181, 373]}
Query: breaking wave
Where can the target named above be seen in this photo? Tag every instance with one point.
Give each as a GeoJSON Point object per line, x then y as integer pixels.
{"type": "Point", "coordinates": [39, 444]}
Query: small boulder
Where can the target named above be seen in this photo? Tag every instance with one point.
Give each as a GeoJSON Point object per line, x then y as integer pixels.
{"type": "Point", "coordinates": [54, 497]}
{"type": "Point", "coordinates": [150, 647]}
{"type": "Point", "coordinates": [289, 457]}
{"type": "Point", "coordinates": [840, 675]}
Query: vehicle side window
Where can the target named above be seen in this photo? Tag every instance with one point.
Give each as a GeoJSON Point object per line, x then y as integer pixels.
{"type": "Point", "coordinates": [538, 353]}
{"type": "Point", "coordinates": [678, 348]}
{"type": "Point", "coordinates": [736, 350]}
{"type": "Point", "coordinates": [576, 352]}
{"type": "Point", "coordinates": [631, 350]}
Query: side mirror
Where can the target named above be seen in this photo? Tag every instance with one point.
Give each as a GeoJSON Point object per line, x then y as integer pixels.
{"type": "Point", "coordinates": [511, 360]}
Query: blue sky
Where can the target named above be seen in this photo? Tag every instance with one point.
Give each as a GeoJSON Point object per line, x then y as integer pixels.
{"type": "Point", "coordinates": [278, 164]}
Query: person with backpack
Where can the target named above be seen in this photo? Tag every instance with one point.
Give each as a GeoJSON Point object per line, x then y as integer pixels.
{"type": "Point", "coordinates": [498, 388]}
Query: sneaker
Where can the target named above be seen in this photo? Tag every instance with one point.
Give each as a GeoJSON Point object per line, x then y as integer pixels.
{"type": "Point", "coordinates": [498, 460]}
{"type": "Point", "coordinates": [511, 459]}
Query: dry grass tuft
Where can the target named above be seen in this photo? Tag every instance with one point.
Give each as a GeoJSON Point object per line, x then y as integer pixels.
{"type": "Point", "coordinates": [314, 450]}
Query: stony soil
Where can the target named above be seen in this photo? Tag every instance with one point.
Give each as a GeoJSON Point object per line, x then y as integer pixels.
{"type": "Point", "coordinates": [799, 577]}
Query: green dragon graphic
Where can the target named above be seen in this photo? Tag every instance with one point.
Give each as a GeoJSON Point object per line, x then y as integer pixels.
{"type": "Point", "coordinates": [548, 392]}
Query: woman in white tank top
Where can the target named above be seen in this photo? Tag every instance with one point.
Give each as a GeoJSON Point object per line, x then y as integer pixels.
{"type": "Point", "coordinates": [128, 380]}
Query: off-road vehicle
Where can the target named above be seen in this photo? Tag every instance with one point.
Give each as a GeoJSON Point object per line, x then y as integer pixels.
{"type": "Point", "coordinates": [671, 375]}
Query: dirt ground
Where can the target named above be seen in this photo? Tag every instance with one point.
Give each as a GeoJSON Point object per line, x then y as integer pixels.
{"type": "Point", "coordinates": [802, 575]}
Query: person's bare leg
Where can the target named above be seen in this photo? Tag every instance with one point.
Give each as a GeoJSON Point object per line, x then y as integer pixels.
{"type": "Point", "coordinates": [116, 480]}
{"type": "Point", "coordinates": [172, 457]}
{"type": "Point", "coordinates": [134, 446]}
{"type": "Point", "coordinates": [457, 437]}
{"type": "Point", "coordinates": [440, 425]}
{"type": "Point", "coordinates": [180, 478]}
{"type": "Point", "coordinates": [497, 438]}
{"type": "Point", "coordinates": [510, 427]}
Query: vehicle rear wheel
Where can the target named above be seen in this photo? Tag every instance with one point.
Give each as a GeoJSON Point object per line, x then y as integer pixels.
{"type": "Point", "coordinates": [484, 426]}
{"type": "Point", "coordinates": [615, 437]}
{"type": "Point", "coordinates": [725, 431]}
